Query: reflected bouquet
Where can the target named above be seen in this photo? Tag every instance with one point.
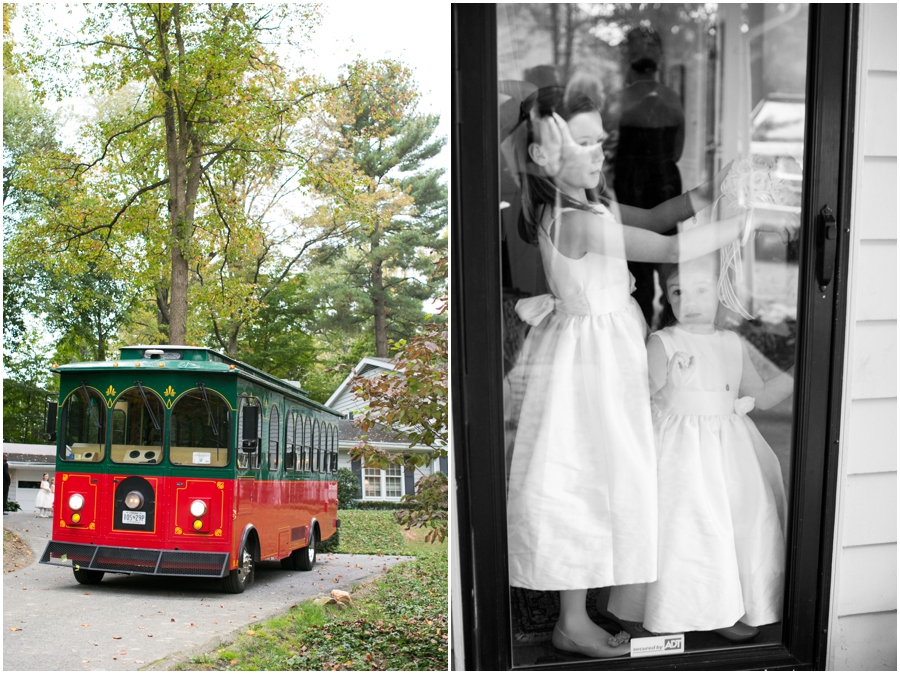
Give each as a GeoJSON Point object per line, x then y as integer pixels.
{"type": "Point", "coordinates": [752, 182]}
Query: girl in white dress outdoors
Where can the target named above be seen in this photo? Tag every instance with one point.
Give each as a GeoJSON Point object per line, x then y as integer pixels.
{"type": "Point", "coordinates": [721, 496]}
{"type": "Point", "coordinates": [43, 502]}
{"type": "Point", "coordinates": [582, 501]}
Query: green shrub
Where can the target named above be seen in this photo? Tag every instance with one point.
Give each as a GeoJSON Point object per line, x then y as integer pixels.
{"type": "Point", "coordinates": [12, 506]}
{"type": "Point", "coordinates": [379, 505]}
{"type": "Point", "coordinates": [348, 488]}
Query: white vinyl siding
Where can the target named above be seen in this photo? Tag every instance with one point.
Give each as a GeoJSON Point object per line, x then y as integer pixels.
{"type": "Point", "coordinates": [863, 634]}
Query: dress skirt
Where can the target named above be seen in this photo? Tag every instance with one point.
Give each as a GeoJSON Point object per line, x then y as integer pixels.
{"type": "Point", "coordinates": [582, 494]}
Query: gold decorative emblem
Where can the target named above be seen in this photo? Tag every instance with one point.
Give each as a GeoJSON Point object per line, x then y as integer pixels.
{"type": "Point", "coordinates": [220, 485]}
{"type": "Point", "coordinates": [62, 523]}
{"type": "Point", "coordinates": [178, 531]}
{"type": "Point", "coordinates": [169, 392]}
{"type": "Point", "coordinates": [218, 532]}
{"type": "Point", "coordinates": [110, 391]}
{"type": "Point", "coordinates": [92, 526]}
{"type": "Point", "coordinates": [65, 476]}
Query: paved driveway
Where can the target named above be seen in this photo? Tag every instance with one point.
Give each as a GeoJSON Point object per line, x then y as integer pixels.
{"type": "Point", "coordinates": [137, 622]}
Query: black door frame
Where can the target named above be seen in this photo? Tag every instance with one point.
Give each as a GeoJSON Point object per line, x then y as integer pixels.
{"type": "Point", "coordinates": [476, 374]}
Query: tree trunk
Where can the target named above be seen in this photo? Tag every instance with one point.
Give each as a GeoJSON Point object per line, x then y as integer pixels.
{"type": "Point", "coordinates": [381, 342]}
{"type": "Point", "coordinates": [232, 340]}
{"type": "Point", "coordinates": [178, 300]}
{"type": "Point", "coordinates": [162, 309]}
{"type": "Point", "coordinates": [183, 151]}
{"type": "Point", "coordinates": [378, 300]}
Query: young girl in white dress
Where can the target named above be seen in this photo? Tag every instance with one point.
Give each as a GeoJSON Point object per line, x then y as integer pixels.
{"type": "Point", "coordinates": [582, 501]}
{"type": "Point", "coordinates": [43, 502]}
{"type": "Point", "coordinates": [721, 496]}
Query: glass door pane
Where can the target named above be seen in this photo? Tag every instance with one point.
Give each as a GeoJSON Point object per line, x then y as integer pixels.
{"type": "Point", "coordinates": [647, 476]}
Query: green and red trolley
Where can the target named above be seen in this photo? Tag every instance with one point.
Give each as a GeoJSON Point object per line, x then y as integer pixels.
{"type": "Point", "coordinates": [180, 461]}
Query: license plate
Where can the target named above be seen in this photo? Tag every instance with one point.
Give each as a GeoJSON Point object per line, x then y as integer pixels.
{"type": "Point", "coordinates": [134, 517]}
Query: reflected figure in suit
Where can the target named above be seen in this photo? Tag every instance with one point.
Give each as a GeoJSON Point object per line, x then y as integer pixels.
{"type": "Point", "coordinates": [646, 125]}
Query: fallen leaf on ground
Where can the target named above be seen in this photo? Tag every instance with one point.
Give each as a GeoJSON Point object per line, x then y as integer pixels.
{"type": "Point", "coordinates": [117, 637]}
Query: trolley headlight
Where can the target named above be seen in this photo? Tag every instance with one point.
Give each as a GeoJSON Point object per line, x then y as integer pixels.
{"type": "Point", "coordinates": [76, 501]}
{"type": "Point", "coordinates": [198, 508]}
{"type": "Point", "coordinates": [134, 500]}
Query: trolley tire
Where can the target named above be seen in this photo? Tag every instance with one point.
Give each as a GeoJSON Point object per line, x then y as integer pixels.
{"type": "Point", "coordinates": [306, 557]}
{"type": "Point", "coordinates": [88, 576]}
{"type": "Point", "coordinates": [241, 578]}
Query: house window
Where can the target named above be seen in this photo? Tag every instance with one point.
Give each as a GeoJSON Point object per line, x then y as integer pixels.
{"type": "Point", "coordinates": [383, 484]}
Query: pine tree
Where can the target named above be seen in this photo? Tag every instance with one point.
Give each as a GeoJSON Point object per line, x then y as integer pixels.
{"type": "Point", "coordinates": [397, 204]}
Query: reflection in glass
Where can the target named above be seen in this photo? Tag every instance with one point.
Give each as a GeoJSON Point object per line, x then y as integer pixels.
{"type": "Point", "coordinates": [632, 508]}
{"type": "Point", "coordinates": [83, 420]}
{"type": "Point", "coordinates": [200, 430]}
{"type": "Point", "coordinates": [140, 438]}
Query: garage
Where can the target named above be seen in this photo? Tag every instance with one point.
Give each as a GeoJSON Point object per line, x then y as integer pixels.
{"type": "Point", "coordinates": [27, 463]}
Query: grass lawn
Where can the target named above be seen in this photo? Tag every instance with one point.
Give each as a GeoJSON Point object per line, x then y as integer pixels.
{"type": "Point", "coordinates": [398, 622]}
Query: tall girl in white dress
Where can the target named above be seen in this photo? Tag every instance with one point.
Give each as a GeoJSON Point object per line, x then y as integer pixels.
{"type": "Point", "coordinates": [721, 496]}
{"type": "Point", "coordinates": [582, 502]}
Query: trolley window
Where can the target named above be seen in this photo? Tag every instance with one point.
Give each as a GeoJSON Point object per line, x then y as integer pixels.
{"type": "Point", "coordinates": [249, 447]}
{"type": "Point", "coordinates": [334, 450]}
{"type": "Point", "coordinates": [289, 439]}
{"type": "Point", "coordinates": [200, 430]}
{"type": "Point", "coordinates": [83, 422]}
{"type": "Point", "coordinates": [138, 418]}
{"type": "Point", "coordinates": [304, 449]}
{"type": "Point", "coordinates": [274, 430]}
{"type": "Point", "coordinates": [316, 446]}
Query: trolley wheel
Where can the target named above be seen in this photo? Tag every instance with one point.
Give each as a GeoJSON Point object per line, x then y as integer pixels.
{"type": "Point", "coordinates": [306, 557]}
{"type": "Point", "coordinates": [88, 576]}
{"type": "Point", "coordinates": [241, 578]}
{"type": "Point", "coordinates": [301, 559]}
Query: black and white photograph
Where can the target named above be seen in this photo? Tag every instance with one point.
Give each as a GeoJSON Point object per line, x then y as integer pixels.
{"type": "Point", "coordinates": [673, 356]}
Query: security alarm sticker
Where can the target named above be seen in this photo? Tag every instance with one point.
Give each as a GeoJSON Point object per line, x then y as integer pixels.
{"type": "Point", "coordinates": [667, 644]}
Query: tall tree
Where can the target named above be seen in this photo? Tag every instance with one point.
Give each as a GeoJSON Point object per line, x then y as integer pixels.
{"type": "Point", "coordinates": [208, 86]}
{"type": "Point", "coordinates": [395, 202]}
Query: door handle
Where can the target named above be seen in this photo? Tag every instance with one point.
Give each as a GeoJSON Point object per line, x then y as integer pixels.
{"type": "Point", "coordinates": [826, 246]}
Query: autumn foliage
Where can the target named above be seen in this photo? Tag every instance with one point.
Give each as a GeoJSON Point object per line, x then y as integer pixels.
{"type": "Point", "coordinates": [412, 400]}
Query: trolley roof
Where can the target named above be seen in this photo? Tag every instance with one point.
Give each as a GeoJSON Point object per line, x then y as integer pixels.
{"type": "Point", "coordinates": [194, 358]}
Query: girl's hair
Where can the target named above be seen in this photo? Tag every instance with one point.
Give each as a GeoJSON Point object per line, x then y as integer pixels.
{"type": "Point", "coordinates": [538, 191]}
{"type": "Point", "coordinates": [667, 270]}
